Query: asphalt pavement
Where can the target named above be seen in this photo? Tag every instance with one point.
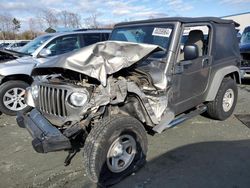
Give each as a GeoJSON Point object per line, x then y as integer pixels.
{"type": "Point", "coordinates": [199, 153]}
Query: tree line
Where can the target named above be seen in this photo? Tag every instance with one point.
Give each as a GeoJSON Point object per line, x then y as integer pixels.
{"type": "Point", "coordinates": [45, 20]}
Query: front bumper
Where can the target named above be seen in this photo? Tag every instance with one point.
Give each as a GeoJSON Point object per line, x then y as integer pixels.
{"type": "Point", "coordinates": [46, 137]}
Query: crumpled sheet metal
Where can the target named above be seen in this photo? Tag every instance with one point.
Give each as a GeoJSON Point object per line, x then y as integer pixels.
{"type": "Point", "coordinates": [101, 59]}
{"type": "Point", "coordinates": [117, 90]}
{"type": "Point", "coordinates": [158, 105]}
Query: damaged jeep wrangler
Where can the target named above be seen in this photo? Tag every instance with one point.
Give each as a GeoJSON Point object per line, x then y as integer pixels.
{"type": "Point", "coordinates": [150, 76]}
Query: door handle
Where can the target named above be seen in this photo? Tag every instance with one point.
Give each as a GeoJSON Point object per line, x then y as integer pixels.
{"type": "Point", "coordinates": [205, 62]}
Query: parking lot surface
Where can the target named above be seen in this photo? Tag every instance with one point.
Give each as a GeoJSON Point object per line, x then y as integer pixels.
{"type": "Point", "coordinates": [199, 153]}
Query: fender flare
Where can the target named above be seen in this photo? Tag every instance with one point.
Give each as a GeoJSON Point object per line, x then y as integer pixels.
{"type": "Point", "coordinates": [217, 79]}
{"type": "Point", "coordinates": [22, 77]}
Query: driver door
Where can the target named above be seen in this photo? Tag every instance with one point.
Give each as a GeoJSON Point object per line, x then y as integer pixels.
{"type": "Point", "coordinates": [191, 76]}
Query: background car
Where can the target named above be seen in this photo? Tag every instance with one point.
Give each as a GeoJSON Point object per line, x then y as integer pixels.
{"type": "Point", "coordinates": [245, 51]}
{"type": "Point", "coordinates": [15, 75]}
{"type": "Point", "coordinates": [3, 45]}
{"type": "Point", "coordinates": [16, 45]}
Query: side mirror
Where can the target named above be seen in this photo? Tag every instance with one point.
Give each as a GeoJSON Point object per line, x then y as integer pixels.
{"type": "Point", "coordinates": [45, 52]}
{"type": "Point", "coordinates": [191, 52]}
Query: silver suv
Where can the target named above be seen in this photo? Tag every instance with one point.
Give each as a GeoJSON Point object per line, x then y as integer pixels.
{"type": "Point", "coordinates": [15, 74]}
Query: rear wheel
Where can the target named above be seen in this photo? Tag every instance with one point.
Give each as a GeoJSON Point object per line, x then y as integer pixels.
{"type": "Point", "coordinates": [223, 105]}
{"type": "Point", "coordinates": [12, 97]}
{"type": "Point", "coordinates": [114, 149]}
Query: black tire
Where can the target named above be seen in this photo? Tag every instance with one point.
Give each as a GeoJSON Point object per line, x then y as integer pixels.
{"type": "Point", "coordinates": [215, 108]}
{"type": "Point", "coordinates": [5, 87]}
{"type": "Point", "coordinates": [98, 144]}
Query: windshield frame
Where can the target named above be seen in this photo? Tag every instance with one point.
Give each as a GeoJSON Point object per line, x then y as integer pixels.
{"type": "Point", "coordinates": [171, 25]}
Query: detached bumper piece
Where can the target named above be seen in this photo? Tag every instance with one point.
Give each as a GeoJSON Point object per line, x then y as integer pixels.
{"type": "Point", "coordinates": [46, 137]}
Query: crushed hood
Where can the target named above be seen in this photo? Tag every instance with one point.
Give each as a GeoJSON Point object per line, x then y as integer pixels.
{"type": "Point", "coordinates": [100, 59]}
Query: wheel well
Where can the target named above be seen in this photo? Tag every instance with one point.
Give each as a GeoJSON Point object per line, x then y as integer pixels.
{"type": "Point", "coordinates": [23, 77]}
{"type": "Point", "coordinates": [134, 107]}
{"type": "Point", "coordinates": [234, 75]}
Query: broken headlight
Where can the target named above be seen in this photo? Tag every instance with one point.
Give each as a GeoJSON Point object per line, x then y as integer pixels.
{"type": "Point", "coordinates": [79, 99]}
{"type": "Point", "coordinates": [34, 90]}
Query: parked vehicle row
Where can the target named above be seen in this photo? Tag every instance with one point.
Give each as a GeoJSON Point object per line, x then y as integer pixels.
{"type": "Point", "coordinates": [3, 45]}
{"type": "Point", "coordinates": [16, 45]}
{"type": "Point", "coordinates": [104, 98]}
{"type": "Point", "coordinates": [13, 45]}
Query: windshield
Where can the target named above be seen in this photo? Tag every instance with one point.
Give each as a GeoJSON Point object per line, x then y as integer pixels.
{"type": "Point", "coordinates": [245, 38]}
{"type": "Point", "coordinates": [150, 34]}
{"type": "Point", "coordinates": [34, 44]}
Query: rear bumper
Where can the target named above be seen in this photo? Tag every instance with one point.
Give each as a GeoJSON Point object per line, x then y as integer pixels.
{"type": "Point", "coordinates": [46, 137]}
{"type": "Point", "coordinates": [244, 71]}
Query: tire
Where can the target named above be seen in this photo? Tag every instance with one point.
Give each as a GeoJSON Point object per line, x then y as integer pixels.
{"type": "Point", "coordinates": [102, 141]}
{"type": "Point", "coordinates": [216, 108]}
{"type": "Point", "coordinates": [12, 97]}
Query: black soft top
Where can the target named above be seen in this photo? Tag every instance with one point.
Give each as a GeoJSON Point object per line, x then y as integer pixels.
{"type": "Point", "coordinates": [183, 20]}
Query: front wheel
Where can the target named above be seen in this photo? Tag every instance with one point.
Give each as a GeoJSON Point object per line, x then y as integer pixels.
{"type": "Point", "coordinates": [12, 97]}
{"type": "Point", "coordinates": [223, 105]}
{"type": "Point", "coordinates": [115, 148]}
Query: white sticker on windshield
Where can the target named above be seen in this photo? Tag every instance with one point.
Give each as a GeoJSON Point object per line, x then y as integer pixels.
{"type": "Point", "coordinates": [162, 32]}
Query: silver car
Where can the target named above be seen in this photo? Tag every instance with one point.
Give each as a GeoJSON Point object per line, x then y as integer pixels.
{"type": "Point", "coordinates": [15, 74]}
{"type": "Point", "coordinates": [16, 45]}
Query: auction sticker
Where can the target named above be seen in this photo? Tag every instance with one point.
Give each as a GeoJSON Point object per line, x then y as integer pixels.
{"type": "Point", "coordinates": [162, 32]}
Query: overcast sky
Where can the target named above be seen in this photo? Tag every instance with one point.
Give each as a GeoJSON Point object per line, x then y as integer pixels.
{"type": "Point", "coordinates": [113, 11]}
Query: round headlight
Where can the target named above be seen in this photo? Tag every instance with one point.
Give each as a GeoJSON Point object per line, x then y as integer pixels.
{"type": "Point", "coordinates": [35, 90]}
{"type": "Point", "coordinates": [78, 98]}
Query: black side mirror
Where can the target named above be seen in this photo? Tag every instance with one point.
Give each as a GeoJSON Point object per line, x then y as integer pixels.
{"type": "Point", "coordinates": [191, 52]}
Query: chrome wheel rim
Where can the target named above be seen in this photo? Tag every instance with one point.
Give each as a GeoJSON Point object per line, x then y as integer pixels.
{"type": "Point", "coordinates": [121, 153]}
{"type": "Point", "coordinates": [13, 99]}
{"type": "Point", "coordinates": [228, 100]}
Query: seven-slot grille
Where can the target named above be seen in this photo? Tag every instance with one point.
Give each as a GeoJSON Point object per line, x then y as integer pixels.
{"type": "Point", "coordinates": [52, 100]}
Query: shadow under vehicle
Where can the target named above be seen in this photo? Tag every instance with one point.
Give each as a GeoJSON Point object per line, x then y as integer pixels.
{"type": "Point", "coordinates": [205, 164]}
{"type": "Point", "coordinates": [148, 77]}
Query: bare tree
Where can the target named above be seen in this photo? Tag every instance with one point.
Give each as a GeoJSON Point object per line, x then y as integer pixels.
{"type": "Point", "coordinates": [36, 25]}
{"type": "Point", "coordinates": [75, 20]}
{"type": "Point", "coordinates": [33, 27]}
{"type": "Point", "coordinates": [49, 17]}
{"type": "Point", "coordinates": [32, 24]}
{"type": "Point", "coordinates": [6, 26]}
{"type": "Point", "coordinates": [63, 16]}
{"type": "Point", "coordinates": [91, 21]}
{"type": "Point", "coordinates": [69, 19]}
{"type": "Point", "coordinates": [10, 28]}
